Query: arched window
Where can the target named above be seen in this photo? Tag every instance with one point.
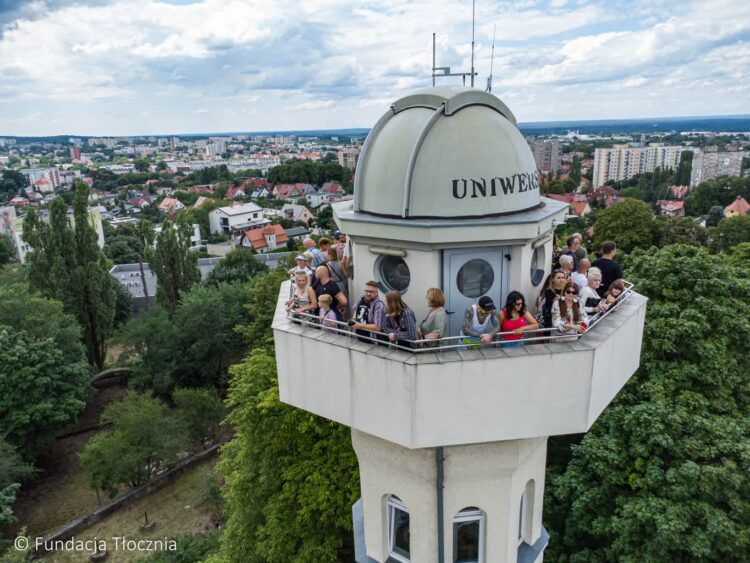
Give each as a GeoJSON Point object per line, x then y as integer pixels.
{"type": "Point", "coordinates": [525, 513]}
{"type": "Point", "coordinates": [468, 536]}
{"type": "Point", "coordinates": [398, 530]}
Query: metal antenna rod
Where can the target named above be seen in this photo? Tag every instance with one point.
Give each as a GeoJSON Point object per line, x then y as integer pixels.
{"type": "Point", "coordinates": [473, 5]}
{"type": "Point", "coordinates": [492, 59]}
{"type": "Point", "coordinates": [433, 59]}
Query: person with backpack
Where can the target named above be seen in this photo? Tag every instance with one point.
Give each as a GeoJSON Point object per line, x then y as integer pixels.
{"type": "Point", "coordinates": [326, 286]}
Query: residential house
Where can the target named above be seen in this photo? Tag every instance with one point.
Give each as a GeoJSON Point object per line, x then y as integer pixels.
{"type": "Point", "coordinates": [305, 189]}
{"type": "Point", "coordinates": [139, 203]}
{"type": "Point", "coordinates": [286, 191]}
{"type": "Point", "coordinates": [739, 206]}
{"type": "Point", "coordinates": [580, 208]}
{"type": "Point", "coordinates": [201, 200]}
{"type": "Point", "coordinates": [237, 218]}
{"type": "Point", "coordinates": [165, 191]}
{"type": "Point", "coordinates": [679, 192]}
{"type": "Point", "coordinates": [235, 192]}
{"type": "Point", "coordinates": [267, 239]}
{"type": "Point", "coordinates": [171, 206]}
{"type": "Point", "coordinates": [317, 199]}
{"type": "Point", "coordinates": [203, 189]}
{"type": "Point", "coordinates": [298, 213]}
{"type": "Point", "coordinates": [19, 201]}
{"type": "Point", "coordinates": [297, 233]}
{"type": "Point", "coordinates": [332, 188]}
{"type": "Point", "coordinates": [261, 192]}
{"type": "Point", "coordinates": [671, 207]}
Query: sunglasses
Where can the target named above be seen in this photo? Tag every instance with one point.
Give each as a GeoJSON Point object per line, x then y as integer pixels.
{"type": "Point", "coordinates": [570, 292]}
{"type": "Point", "coordinates": [518, 303]}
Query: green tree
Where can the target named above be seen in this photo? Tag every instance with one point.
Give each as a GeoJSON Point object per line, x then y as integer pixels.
{"type": "Point", "coordinates": [290, 477]}
{"type": "Point", "coordinates": [4, 250]}
{"type": "Point", "coordinates": [716, 192]}
{"type": "Point", "coordinates": [201, 412]}
{"type": "Point", "coordinates": [174, 264]}
{"type": "Point", "coordinates": [145, 438]}
{"type": "Point", "coordinates": [261, 307]}
{"type": "Point", "coordinates": [715, 215]}
{"type": "Point", "coordinates": [12, 470]}
{"type": "Point", "coordinates": [663, 474]}
{"type": "Point", "coordinates": [40, 390]}
{"type": "Point", "coordinates": [325, 218]}
{"type": "Point", "coordinates": [40, 318]}
{"type": "Point", "coordinates": [630, 223]}
{"type": "Point", "coordinates": [68, 265]}
{"type": "Point", "coordinates": [149, 344]}
{"type": "Point", "coordinates": [739, 256]}
{"type": "Point", "coordinates": [678, 230]}
{"type": "Point", "coordinates": [239, 265]}
{"type": "Point", "coordinates": [206, 342]}
{"type": "Point", "coordinates": [730, 232]}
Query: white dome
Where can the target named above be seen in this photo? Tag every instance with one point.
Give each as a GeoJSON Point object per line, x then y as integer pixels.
{"type": "Point", "coordinates": [446, 153]}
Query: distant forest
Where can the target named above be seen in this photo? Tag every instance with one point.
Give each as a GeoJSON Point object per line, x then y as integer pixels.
{"type": "Point", "coordinates": [734, 124]}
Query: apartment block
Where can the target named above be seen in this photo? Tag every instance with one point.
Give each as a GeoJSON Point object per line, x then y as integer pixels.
{"type": "Point", "coordinates": [622, 162]}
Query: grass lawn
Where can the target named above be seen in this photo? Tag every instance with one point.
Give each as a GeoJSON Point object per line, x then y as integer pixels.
{"type": "Point", "coordinates": [178, 508]}
{"type": "Point", "coordinates": [60, 492]}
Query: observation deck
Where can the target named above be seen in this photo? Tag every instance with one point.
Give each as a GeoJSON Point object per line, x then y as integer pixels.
{"type": "Point", "coordinates": [430, 397]}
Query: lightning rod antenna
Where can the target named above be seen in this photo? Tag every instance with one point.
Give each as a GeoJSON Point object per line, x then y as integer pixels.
{"type": "Point", "coordinates": [492, 60]}
{"type": "Point", "coordinates": [473, 5]}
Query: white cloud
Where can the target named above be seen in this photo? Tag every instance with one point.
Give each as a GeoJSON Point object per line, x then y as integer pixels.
{"type": "Point", "coordinates": [139, 66]}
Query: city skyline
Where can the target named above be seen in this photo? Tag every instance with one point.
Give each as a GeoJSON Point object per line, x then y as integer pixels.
{"type": "Point", "coordinates": [154, 67]}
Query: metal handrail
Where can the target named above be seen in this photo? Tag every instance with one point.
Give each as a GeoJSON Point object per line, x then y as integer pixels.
{"type": "Point", "coordinates": [381, 338]}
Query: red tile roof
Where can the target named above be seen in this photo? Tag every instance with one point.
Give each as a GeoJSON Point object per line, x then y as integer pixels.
{"type": "Point", "coordinates": [740, 206]}
{"type": "Point", "coordinates": [257, 237]}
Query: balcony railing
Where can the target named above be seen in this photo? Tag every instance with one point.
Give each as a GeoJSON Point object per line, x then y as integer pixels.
{"type": "Point", "coordinates": [432, 345]}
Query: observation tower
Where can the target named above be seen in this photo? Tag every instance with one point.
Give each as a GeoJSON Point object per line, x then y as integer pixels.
{"type": "Point", "coordinates": [452, 442]}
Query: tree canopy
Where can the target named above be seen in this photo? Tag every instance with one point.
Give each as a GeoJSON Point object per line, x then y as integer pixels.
{"type": "Point", "coordinates": [290, 476]}
{"type": "Point", "coordinates": [238, 266]}
{"type": "Point", "coordinates": [663, 474]}
{"type": "Point", "coordinates": [67, 264]}
{"type": "Point", "coordinates": [309, 172]}
{"type": "Point", "coordinates": [174, 264]}
{"type": "Point", "coordinates": [630, 223]}
{"type": "Point", "coordinates": [40, 390]}
{"type": "Point", "coordinates": [145, 438]}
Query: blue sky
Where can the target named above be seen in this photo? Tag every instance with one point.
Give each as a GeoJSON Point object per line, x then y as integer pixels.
{"type": "Point", "coordinates": [112, 67]}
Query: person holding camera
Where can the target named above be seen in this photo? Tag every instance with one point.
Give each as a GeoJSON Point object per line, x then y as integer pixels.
{"type": "Point", "coordinates": [369, 314]}
{"type": "Point", "coordinates": [303, 298]}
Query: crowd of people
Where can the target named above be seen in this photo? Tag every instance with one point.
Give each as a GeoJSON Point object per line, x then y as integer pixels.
{"type": "Point", "coordinates": [571, 296]}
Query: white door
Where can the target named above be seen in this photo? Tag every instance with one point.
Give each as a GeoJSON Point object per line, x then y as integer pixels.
{"type": "Point", "coordinates": [470, 274]}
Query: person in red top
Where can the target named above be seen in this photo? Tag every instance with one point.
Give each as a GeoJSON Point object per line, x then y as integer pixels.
{"type": "Point", "coordinates": [515, 319]}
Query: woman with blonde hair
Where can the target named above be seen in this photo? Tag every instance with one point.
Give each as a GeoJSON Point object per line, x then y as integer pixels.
{"type": "Point", "coordinates": [303, 299]}
{"type": "Point", "coordinates": [435, 325]}
{"type": "Point", "coordinates": [400, 322]}
{"type": "Point", "coordinates": [592, 303]}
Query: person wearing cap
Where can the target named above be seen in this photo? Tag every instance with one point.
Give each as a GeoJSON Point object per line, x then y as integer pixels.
{"type": "Point", "coordinates": [302, 268]}
{"type": "Point", "coordinates": [480, 322]}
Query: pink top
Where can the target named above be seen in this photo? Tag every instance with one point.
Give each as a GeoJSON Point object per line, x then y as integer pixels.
{"type": "Point", "coordinates": [507, 325]}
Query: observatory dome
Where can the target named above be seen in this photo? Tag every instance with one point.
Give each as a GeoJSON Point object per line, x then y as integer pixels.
{"type": "Point", "coordinates": [446, 153]}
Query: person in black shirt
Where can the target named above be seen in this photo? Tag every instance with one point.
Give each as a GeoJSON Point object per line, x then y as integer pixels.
{"type": "Point", "coordinates": [328, 286]}
{"type": "Point", "coordinates": [610, 269]}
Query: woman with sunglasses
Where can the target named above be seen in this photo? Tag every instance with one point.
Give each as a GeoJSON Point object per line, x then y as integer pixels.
{"type": "Point", "coordinates": [568, 316]}
{"type": "Point", "coordinates": [515, 319]}
{"type": "Point", "coordinates": [551, 289]}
